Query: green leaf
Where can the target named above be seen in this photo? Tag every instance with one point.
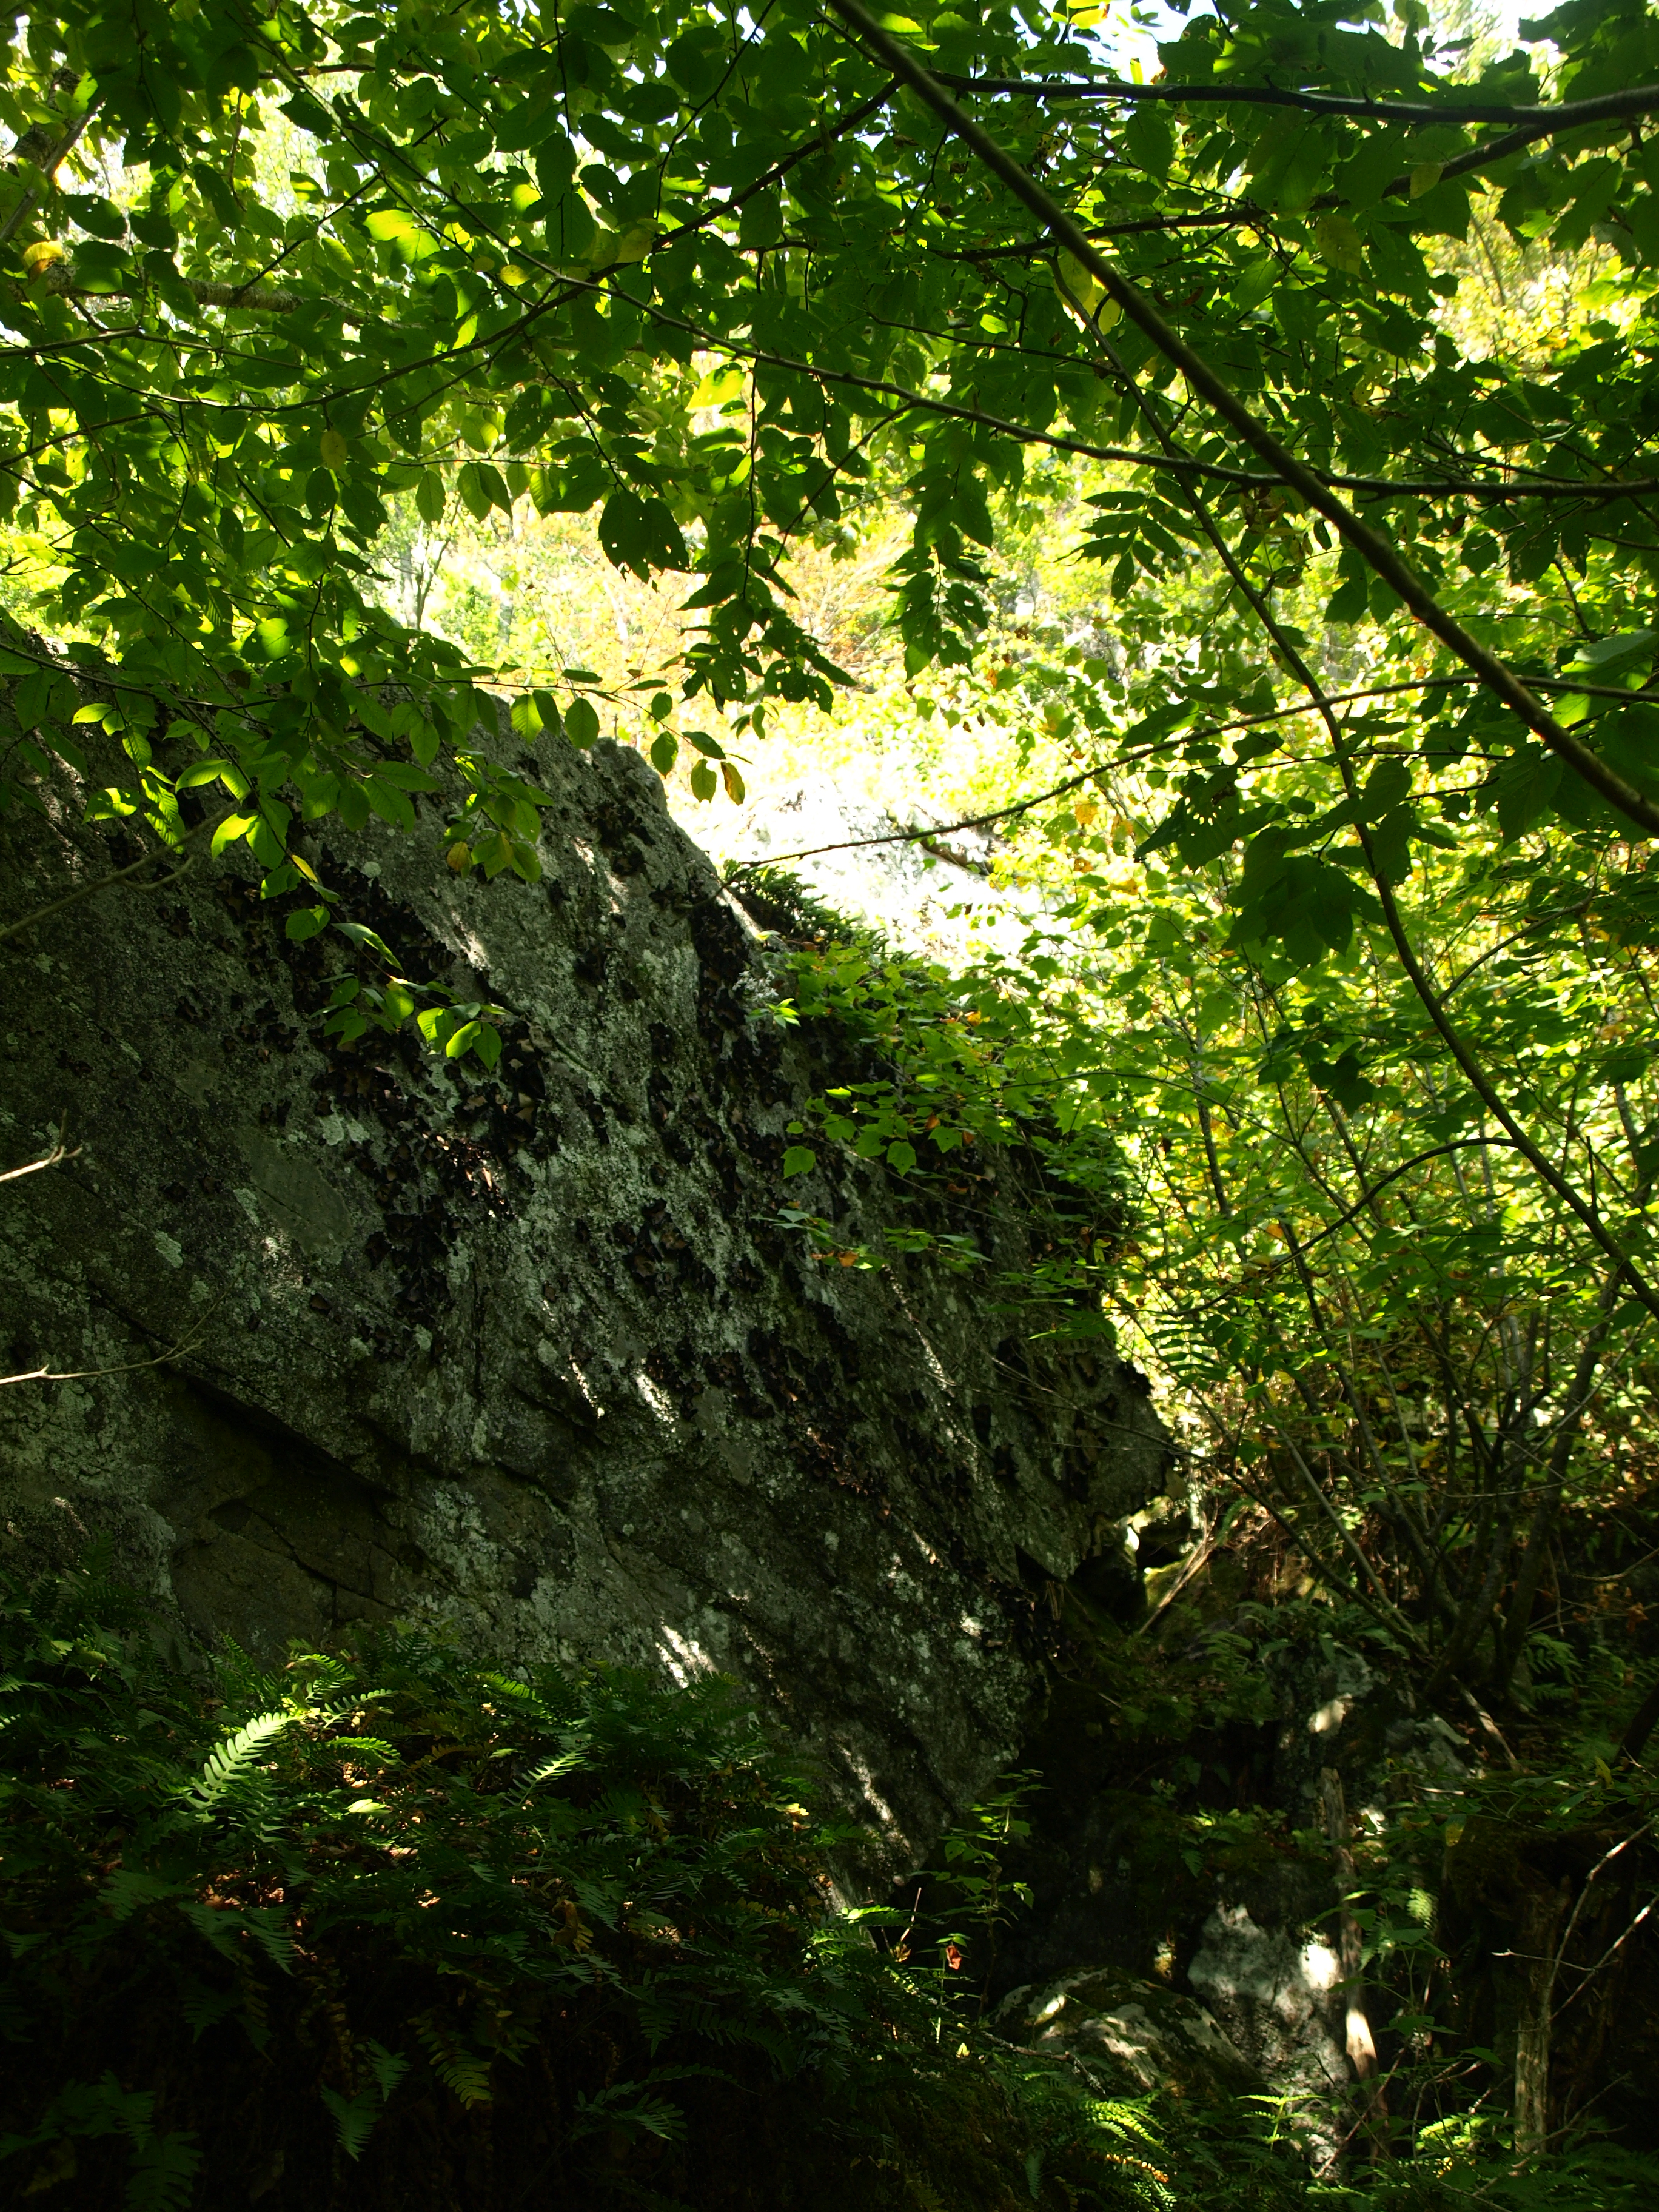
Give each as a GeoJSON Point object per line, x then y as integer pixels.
{"type": "Point", "coordinates": [481, 488]}
{"type": "Point", "coordinates": [1252, 287]}
{"type": "Point", "coordinates": [1338, 243]}
{"type": "Point", "coordinates": [232, 830]}
{"type": "Point", "coordinates": [797, 1159]}
{"type": "Point", "coordinates": [354, 2118]}
{"type": "Point", "coordinates": [388, 801]}
{"type": "Point", "coordinates": [569, 228]}
{"type": "Point", "coordinates": [642, 534]}
{"type": "Point", "coordinates": [694, 60]}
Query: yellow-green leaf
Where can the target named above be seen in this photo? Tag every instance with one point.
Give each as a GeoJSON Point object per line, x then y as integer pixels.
{"type": "Point", "coordinates": [1085, 288]}
{"type": "Point", "coordinates": [1339, 245]}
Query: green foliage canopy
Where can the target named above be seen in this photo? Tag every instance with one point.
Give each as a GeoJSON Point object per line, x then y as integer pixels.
{"type": "Point", "coordinates": [268, 269]}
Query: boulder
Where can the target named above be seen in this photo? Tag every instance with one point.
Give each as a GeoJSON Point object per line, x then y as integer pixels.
{"type": "Point", "coordinates": [1132, 2037]}
{"type": "Point", "coordinates": [350, 1331]}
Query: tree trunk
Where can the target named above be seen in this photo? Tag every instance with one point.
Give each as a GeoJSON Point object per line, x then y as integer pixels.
{"type": "Point", "coordinates": [1538, 1959]}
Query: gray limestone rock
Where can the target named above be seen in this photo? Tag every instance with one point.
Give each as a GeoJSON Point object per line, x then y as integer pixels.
{"type": "Point", "coordinates": [1132, 2036]}
{"type": "Point", "coordinates": [1271, 1987]}
{"type": "Point", "coordinates": [360, 1334]}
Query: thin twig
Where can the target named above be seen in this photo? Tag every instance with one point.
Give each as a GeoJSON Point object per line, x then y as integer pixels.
{"type": "Point", "coordinates": [1613, 106]}
{"type": "Point", "coordinates": [127, 1367]}
{"type": "Point", "coordinates": [59, 1152]}
{"type": "Point", "coordinates": [1210, 730]}
{"type": "Point", "coordinates": [123, 875]}
{"type": "Point", "coordinates": [1589, 1972]}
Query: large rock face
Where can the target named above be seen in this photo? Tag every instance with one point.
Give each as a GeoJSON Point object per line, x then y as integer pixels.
{"type": "Point", "coordinates": [358, 1334]}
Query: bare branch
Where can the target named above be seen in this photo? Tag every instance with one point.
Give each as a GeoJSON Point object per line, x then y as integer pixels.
{"type": "Point", "coordinates": [59, 1152]}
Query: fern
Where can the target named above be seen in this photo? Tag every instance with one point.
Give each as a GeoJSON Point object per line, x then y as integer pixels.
{"type": "Point", "coordinates": [650, 1897]}
{"type": "Point", "coordinates": [130, 1888]}
{"type": "Point", "coordinates": [163, 2175]}
{"type": "Point", "coordinates": [354, 2117]}
{"type": "Point", "coordinates": [1121, 2118]}
{"type": "Point", "coordinates": [367, 1749]}
{"type": "Point", "coordinates": [222, 1926]}
{"type": "Point", "coordinates": [551, 1770]}
{"type": "Point", "coordinates": [463, 2072]}
{"type": "Point", "coordinates": [635, 2108]}
{"type": "Point", "coordinates": [388, 2067]}
{"type": "Point", "coordinates": [204, 2007]}
{"type": "Point", "coordinates": [230, 1765]}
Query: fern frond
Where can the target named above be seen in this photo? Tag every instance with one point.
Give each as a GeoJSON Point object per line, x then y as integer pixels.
{"type": "Point", "coordinates": [521, 1696]}
{"type": "Point", "coordinates": [627, 2105]}
{"type": "Point", "coordinates": [354, 2118]}
{"type": "Point", "coordinates": [130, 1886]}
{"type": "Point", "coordinates": [204, 2007]}
{"type": "Point", "coordinates": [360, 1747]}
{"type": "Point", "coordinates": [389, 2066]}
{"type": "Point", "coordinates": [230, 1763]}
{"type": "Point", "coordinates": [1122, 2119]}
{"type": "Point", "coordinates": [463, 2072]}
{"type": "Point", "coordinates": [163, 2175]}
{"type": "Point", "coordinates": [466, 2076]}
{"type": "Point", "coordinates": [550, 1768]}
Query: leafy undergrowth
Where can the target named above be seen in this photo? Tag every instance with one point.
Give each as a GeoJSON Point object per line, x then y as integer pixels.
{"type": "Point", "coordinates": [397, 1930]}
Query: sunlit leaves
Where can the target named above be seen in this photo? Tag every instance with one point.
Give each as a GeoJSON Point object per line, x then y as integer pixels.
{"type": "Point", "coordinates": [641, 268]}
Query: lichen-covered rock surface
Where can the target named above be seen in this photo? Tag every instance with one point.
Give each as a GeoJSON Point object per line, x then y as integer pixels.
{"type": "Point", "coordinates": [362, 1333]}
{"type": "Point", "coordinates": [1132, 2036]}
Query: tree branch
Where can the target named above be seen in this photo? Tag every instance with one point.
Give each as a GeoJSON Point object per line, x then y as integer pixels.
{"type": "Point", "coordinates": [1180, 465]}
{"type": "Point", "coordinates": [1538, 122]}
{"type": "Point", "coordinates": [57, 279]}
{"type": "Point", "coordinates": [53, 161]}
{"type": "Point", "coordinates": [59, 1152]}
{"type": "Point", "coordinates": [1206, 730]}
